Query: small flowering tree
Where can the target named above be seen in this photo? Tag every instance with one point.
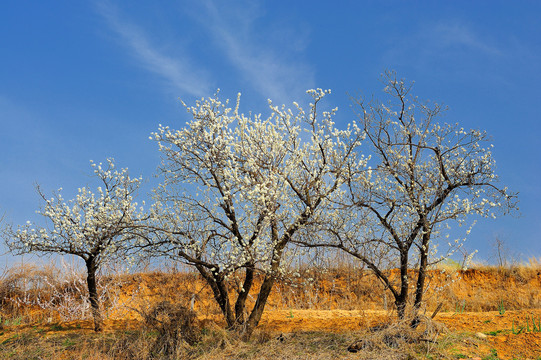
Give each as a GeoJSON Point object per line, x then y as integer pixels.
{"type": "Point", "coordinates": [238, 188]}
{"type": "Point", "coordinates": [96, 227]}
{"type": "Point", "coordinates": [423, 177]}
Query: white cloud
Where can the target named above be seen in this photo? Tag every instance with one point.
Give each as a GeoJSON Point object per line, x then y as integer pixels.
{"type": "Point", "coordinates": [446, 44]}
{"type": "Point", "coordinates": [179, 73]}
{"type": "Point", "coordinates": [272, 68]}
{"type": "Point", "coordinates": [447, 34]}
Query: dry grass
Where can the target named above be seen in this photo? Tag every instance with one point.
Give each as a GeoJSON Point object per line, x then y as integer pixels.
{"type": "Point", "coordinates": [171, 330]}
{"type": "Point", "coordinates": [390, 341]}
{"type": "Point", "coordinates": [214, 345]}
{"type": "Point", "coordinates": [32, 295]}
{"type": "Point", "coordinates": [482, 288]}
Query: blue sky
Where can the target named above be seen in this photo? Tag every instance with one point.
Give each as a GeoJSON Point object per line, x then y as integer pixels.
{"type": "Point", "coordinates": [90, 80]}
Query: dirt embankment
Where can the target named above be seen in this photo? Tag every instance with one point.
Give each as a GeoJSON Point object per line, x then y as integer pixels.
{"type": "Point", "coordinates": [500, 304]}
{"type": "Point", "coordinates": [459, 291]}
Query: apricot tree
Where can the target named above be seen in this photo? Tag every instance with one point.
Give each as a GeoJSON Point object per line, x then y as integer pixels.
{"type": "Point", "coordinates": [236, 189]}
{"type": "Point", "coordinates": [423, 177]}
{"type": "Point", "coordinates": [97, 227]}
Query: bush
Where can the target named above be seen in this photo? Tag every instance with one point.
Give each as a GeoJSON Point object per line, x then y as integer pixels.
{"type": "Point", "coordinates": [174, 323]}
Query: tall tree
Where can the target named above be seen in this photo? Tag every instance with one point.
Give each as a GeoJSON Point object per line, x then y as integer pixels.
{"type": "Point", "coordinates": [423, 176]}
{"type": "Point", "coordinates": [426, 175]}
{"type": "Point", "coordinates": [236, 189]}
{"type": "Point", "coordinates": [97, 227]}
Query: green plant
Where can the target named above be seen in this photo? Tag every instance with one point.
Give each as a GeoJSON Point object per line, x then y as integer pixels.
{"type": "Point", "coordinates": [492, 356]}
{"type": "Point", "coordinates": [68, 343]}
{"type": "Point", "coordinates": [290, 315]}
{"type": "Point", "coordinates": [57, 327]}
{"type": "Point", "coordinates": [460, 306]}
{"type": "Point", "coordinates": [495, 332]}
{"type": "Point", "coordinates": [501, 307]}
{"type": "Point", "coordinates": [516, 331]}
{"type": "Point", "coordinates": [8, 322]}
{"type": "Point", "coordinates": [536, 327]}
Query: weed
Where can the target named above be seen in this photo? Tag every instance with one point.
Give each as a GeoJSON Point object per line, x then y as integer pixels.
{"type": "Point", "coordinates": [536, 327]}
{"type": "Point", "coordinates": [501, 308]}
{"type": "Point", "coordinates": [518, 330]}
{"type": "Point", "coordinates": [347, 290]}
{"type": "Point", "coordinates": [459, 307]}
{"type": "Point", "coordinates": [496, 332]}
{"type": "Point", "coordinates": [492, 356]}
{"type": "Point", "coordinates": [13, 322]}
{"type": "Point", "coordinates": [68, 343]}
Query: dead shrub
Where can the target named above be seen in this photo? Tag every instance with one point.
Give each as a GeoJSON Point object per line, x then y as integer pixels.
{"type": "Point", "coordinates": [58, 293]}
{"type": "Point", "coordinates": [22, 285]}
{"type": "Point", "coordinates": [175, 325]}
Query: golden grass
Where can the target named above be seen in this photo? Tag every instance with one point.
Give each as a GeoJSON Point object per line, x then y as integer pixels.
{"type": "Point", "coordinates": [29, 332]}
{"type": "Point", "coordinates": [482, 288]}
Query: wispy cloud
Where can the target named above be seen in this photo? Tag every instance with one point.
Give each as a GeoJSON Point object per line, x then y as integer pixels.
{"type": "Point", "coordinates": [450, 44]}
{"type": "Point", "coordinates": [448, 34]}
{"type": "Point", "coordinates": [180, 73]}
{"type": "Point", "coordinates": [273, 68]}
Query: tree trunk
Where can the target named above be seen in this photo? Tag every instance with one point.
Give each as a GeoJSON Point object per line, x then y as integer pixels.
{"type": "Point", "coordinates": [419, 290]}
{"type": "Point", "coordinates": [268, 282]}
{"type": "Point", "coordinates": [257, 311]}
{"type": "Point", "coordinates": [240, 304]}
{"type": "Point", "coordinates": [402, 298]}
{"type": "Point", "coordinates": [223, 301]}
{"type": "Point", "coordinates": [423, 263]}
{"type": "Point", "coordinates": [219, 290]}
{"type": "Point", "coordinates": [401, 302]}
{"type": "Point", "coordinates": [91, 268]}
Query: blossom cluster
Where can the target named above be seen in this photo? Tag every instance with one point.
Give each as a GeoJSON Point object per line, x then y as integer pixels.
{"type": "Point", "coordinates": [237, 187]}
{"type": "Point", "coordinates": [98, 223]}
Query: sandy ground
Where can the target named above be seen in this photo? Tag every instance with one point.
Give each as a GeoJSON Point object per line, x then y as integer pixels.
{"type": "Point", "coordinates": [473, 332]}
{"type": "Point", "coordinates": [496, 327]}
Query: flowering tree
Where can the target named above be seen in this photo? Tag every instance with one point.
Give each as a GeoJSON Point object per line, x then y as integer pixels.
{"type": "Point", "coordinates": [96, 227]}
{"type": "Point", "coordinates": [238, 188]}
{"type": "Point", "coordinates": [423, 177]}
